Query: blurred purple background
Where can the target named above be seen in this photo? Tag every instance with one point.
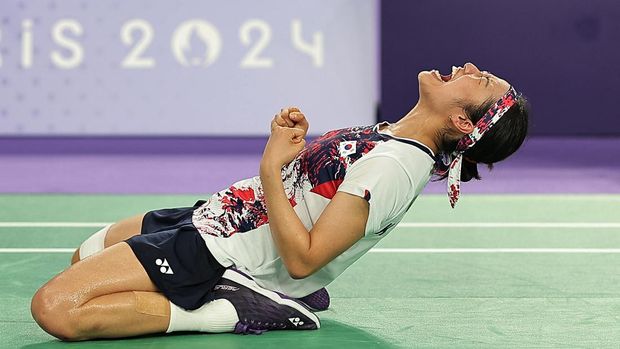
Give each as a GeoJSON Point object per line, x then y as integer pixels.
{"type": "Point", "coordinates": [562, 54]}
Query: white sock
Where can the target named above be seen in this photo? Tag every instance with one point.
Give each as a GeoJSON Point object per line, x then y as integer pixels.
{"type": "Point", "coordinates": [217, 316]}
{"type": "Point", "coordinates": [94, 243]}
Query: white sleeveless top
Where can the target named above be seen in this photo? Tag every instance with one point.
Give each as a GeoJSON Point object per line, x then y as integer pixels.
{"type": "Point", "coordinates": [387, 171]}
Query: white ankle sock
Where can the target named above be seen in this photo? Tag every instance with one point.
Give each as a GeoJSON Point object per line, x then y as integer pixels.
{"type": "Point", "coordinates": [217, 316]}
{"type": "Point", "coordinates": [94, 243]}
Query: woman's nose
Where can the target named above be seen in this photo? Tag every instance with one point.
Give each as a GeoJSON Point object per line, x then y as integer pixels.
{"type": "Point", "coordinates": [470, 68]}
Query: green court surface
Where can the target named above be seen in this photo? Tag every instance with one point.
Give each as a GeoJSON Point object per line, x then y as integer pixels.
{"type": "Point", "coordinates": [499, 271]}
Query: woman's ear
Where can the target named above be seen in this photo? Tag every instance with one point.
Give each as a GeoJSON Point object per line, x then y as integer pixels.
{"type": "Point", "coordinates": [462, 123]}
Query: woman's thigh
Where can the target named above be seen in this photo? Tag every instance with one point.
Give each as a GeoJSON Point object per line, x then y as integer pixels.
{"type": "Point", "coordinates": [123, 230]}
{"type": "Point", "coordinates": [65, 306]}
{"type": "Point", "coordinates": [119, 231]}
{"type": "Point", "coordinates": [115, 269]}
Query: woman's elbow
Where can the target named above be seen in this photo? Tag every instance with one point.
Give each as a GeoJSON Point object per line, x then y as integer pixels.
{"type": "Point", "coordinates": [299, 271]}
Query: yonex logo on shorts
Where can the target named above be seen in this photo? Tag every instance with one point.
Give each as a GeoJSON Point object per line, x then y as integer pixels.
{"type": "Point", "coordinates": [164, 266]}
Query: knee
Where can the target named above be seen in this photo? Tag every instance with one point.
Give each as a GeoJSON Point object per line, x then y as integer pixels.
{"type": "Point", "coordinates": [53, 312]}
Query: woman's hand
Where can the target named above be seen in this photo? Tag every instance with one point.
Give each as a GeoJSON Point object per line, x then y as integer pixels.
{"type": "Point", "coordinates": [288, 129]}
{"type": "Point", "coordinates": [291, 117]}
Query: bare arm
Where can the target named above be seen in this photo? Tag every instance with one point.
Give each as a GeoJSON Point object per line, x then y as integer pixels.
{"type": "Point", "coordinates": [341, 224]}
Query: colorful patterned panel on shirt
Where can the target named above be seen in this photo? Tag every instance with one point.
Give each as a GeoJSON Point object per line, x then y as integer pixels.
{"type": "Point", "coordinates": [319, 168]}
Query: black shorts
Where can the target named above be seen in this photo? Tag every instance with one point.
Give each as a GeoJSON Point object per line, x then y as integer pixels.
{"type": "Point", "coordinates": [176, 257]}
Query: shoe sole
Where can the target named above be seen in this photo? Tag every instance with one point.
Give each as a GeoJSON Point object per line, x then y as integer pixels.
{"type": "Point", "coordinates": [251, 284]}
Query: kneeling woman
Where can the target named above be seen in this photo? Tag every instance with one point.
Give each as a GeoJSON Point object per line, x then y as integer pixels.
{"type": "Point", "coordinates": [225, 264]}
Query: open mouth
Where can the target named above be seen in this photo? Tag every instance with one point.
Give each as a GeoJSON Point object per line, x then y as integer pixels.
{"type": "Point", "coordinates": [443, 78]}
{"type": "Point", "coordinates": [446, 78]}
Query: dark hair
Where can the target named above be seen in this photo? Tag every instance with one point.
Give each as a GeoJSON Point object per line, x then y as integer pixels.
{"type": "Point", "coordinates": [503, 139]}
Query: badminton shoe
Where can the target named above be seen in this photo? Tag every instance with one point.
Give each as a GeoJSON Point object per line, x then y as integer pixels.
{"type": "Point", "coordinates": [260, 310]}
{"type": "Point", "coordinates": [317, 301]}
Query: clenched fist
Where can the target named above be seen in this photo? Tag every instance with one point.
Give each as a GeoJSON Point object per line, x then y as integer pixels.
{"type": "Point", "coordinates": [291, 117]}
{"type": "Point", "coordinates": [288, 130]}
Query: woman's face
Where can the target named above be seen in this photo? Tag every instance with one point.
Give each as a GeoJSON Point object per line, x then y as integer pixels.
{"type": "Point", "coordinates": [466, 83]}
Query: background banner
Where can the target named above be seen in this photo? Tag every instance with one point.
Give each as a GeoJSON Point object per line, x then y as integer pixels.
{"type": "Point", "coordinates": [145, 67]}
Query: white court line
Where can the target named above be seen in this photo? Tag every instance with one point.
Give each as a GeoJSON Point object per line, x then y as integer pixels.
{"type": "Point", "coordinates": [595, 225]}
{"type": "Point", "coordinates": [578, 225]}
{"type": "Point", "coordinates": [37, 250]}
{"type": "Point", "coordinates": [390, 250]}
{"type": "Point", "coordinates": [52, 224]}
{"type": "Point", "coordinates": [495, 250]}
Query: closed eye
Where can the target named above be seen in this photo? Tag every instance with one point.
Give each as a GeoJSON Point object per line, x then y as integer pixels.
{"type": "Point", "coordinates": [486, 77]}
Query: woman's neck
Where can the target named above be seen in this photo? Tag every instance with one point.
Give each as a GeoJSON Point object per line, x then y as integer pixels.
{"type": "Point", "coordinates": [420, 125]}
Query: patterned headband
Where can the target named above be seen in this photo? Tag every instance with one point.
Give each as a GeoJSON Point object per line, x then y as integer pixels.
{"type": "Point", "coordinates": [487, 121]}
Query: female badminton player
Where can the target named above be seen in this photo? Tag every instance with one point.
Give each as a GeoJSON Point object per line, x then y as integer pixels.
{"type": "Point", "coordinates": [257, 255]}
